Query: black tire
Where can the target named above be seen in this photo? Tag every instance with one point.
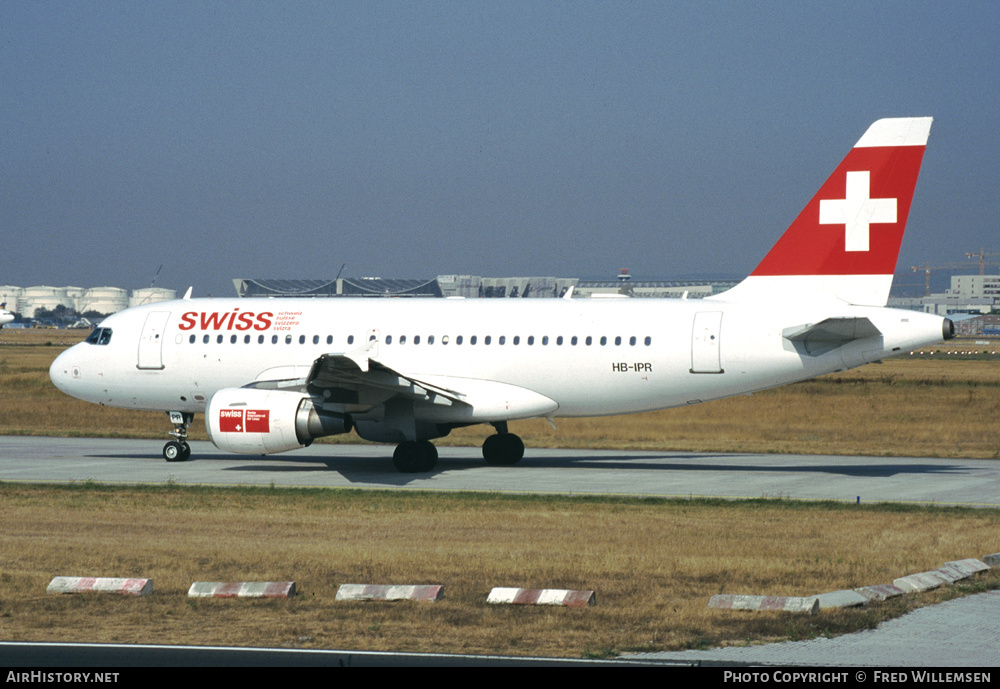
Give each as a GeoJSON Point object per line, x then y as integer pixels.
{"type": "Point", "coordinates": [175, 451]}
{"type": "Point", "coordinates": [503, 450]}
{"type": "Point", "coordinates": [412, 457]}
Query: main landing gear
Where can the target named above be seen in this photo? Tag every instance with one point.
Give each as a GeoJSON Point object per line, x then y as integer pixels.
{"type": "Point", "coordinates": [178, 450]}
{"type": "Point", "coordinates": [503, 449]}
{"type": "Point", "coordinates": [417, 456]}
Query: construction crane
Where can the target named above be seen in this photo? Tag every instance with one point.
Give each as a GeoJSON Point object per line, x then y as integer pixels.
{"type": "Point", "coordinates": [981, 255]}
{"type": "Point", "coordinates": [927, 268]}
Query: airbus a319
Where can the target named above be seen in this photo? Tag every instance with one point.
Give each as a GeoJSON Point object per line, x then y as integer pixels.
{"type": "Point", "coordinates": [275, 374]}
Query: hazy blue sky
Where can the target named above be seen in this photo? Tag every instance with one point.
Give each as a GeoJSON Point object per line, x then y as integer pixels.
{"type": "Point", "coordinates": [411, 139]}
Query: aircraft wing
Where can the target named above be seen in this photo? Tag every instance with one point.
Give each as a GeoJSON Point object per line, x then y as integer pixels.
{"type": "Point", "coordinates": [819, 338]}
{"type": "Point", "coordinates": [360, 382]}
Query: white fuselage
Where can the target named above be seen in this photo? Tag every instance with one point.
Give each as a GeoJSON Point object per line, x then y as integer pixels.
{"type": "Point", "coordinates": [589, 356]}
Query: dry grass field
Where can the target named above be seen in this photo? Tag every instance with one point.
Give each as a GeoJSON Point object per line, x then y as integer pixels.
{"type": "Point", "coordinates": [653, 563]}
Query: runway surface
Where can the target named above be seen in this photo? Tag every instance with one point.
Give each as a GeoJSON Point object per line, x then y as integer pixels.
{"type": "Point", "coordinates": [969, 482]}
{"type": "Point", "coordinates": [957, 633]}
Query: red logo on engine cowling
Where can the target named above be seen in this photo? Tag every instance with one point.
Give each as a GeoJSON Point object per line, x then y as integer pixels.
{"type": "Point", "coordinates": [258, 420]}
{"type": "Point", "coordinates": [226, 320]}
{"type": "Point", "coordinates": [245, 421]}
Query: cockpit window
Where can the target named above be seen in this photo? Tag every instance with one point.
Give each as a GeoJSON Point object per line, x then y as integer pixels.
{"type": "Point", "coordinates": [100, 336]}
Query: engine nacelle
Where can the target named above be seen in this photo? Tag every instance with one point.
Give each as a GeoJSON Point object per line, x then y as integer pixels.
{"type": "Point", "coordinates": [253, 421]}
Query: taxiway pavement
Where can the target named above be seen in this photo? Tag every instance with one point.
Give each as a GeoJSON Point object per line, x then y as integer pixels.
{"type": "Point", "coordinates": [970, 482]}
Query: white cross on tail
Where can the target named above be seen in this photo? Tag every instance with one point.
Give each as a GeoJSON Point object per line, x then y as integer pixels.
{"type": "Point", "coordinates": [857, 211]}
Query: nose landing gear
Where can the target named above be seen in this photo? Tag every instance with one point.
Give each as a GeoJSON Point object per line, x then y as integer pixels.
{"type": "Point", "coordinates": [178, 450]}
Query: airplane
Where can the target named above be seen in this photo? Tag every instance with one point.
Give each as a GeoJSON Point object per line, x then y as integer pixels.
{"type": "Point", "coordinates": [5, 315]}
{"type": "Point", "coordinates": [274, 374]}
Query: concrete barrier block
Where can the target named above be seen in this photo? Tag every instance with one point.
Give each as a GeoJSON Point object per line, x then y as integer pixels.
{"type": "Point", "coordinates": [970, 565]}
{"type": "Point", "coordinates": [841, 599]}
{"type": "Point", "coordinates": [917, 583]}
{"type": "Point", "coordinates": [564, 597]}
{"type": "Point", "coordinates": [128, 587]}
{"type": "Point", "coordinates": [728, 601]}
{"type": "Point", "coordinates": [242, 589]}
{"type": "Point", "coordinates": [951, 573]}
{"type": "Point", "coordinates": [879, 591]}
{"type": "Point", "coordinates": [380, 592]}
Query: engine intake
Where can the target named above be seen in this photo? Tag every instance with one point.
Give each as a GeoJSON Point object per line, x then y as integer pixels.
{"type": "Point", "coordinates": [247, 420]}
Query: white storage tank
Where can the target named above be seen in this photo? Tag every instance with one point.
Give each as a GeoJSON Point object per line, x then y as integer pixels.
{"type": "Point", "coordinates": [104, 300]}
{"type": "Point", "coordinates": [44, 297]}
{"type": "Point", "coordinates": [151, 295]}
{"type": "Point", "coordinates": [12, 296]}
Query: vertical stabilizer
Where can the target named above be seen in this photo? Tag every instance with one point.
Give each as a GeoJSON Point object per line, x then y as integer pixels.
{"type": "Point", "coordinates": [844, 243]}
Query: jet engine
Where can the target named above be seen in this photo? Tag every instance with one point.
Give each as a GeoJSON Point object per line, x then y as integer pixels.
{"type": "Point", "coordinates": [254, 421]}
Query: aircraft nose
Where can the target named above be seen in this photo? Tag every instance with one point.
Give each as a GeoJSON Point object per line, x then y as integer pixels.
{"type": "Point", "coordinates": [63, 372]}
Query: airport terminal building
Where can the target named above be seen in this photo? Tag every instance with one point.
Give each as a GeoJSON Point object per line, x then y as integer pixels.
{"type": "Point", "coordinates": [478, 287]}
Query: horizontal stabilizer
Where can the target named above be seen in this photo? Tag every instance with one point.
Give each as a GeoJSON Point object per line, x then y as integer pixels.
{"type": "Point", "coordinates": [827, 335]}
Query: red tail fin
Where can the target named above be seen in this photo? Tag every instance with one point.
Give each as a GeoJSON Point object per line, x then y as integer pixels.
{"type": "Point", "coordinates": [845, 242]}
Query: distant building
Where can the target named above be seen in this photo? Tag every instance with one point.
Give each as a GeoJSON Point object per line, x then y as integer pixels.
{"type": "Point", "coordinates": [341, 287]}
{"type": "Point", "coordinates": [478, 287]}
{"type": "Point", "coordinates": [985, 325]}
{"type": "Point", "coordinates": [970, 294]}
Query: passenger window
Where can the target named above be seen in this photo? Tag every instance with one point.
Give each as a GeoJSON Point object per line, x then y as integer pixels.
{"type": "Point", "coordinates": [350, 339]}
{"type": "Point", "coordinates": [618, 340]}
{"type": "Point", "coordinates": [315, 339]}
{"type": "Point", "coordinates": [205, 339]}
{"type": "Point", "coordinates": [631, 341]}
{"type": "Point", "coordinates": [531, 339]}
{"type": "Point", "coordinates": [517, 339]}
{"type": "Point", "coordinates": [274, 339]}
{"type": "Point", "coordinates": [487, 339]}
{"type": "Point", "coordinates": [260, 339]}
{"type": "Point", "coordinates": [503, 339]}
{"type": "Point", "coordinates": [402, 339]}
{"type": "Point", "coordinates": [192, 339]}
{"type": "Point", "coordinates": [649, 340]}
{"type": "Point", "coordinates": [416, 339]}
{"type": "Point", "coordinates": [472, 340]}
{"type": "Point", "coordinates": [430, 339]}
{"type": "Point", "coordinates": [589, 341]}
{"type": "Point", "coordinates": [572, 340]}
{"type": "Point", "coordinates": [388, 339]}
{"type": "Point", "coordinates": [329, 339]}
{"type": "Point", "coordinates": [604, 340]}
{"type": "Point", "coordinates": [246, 339]}
{"type": "Point", "coordinates": [232, 339]}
